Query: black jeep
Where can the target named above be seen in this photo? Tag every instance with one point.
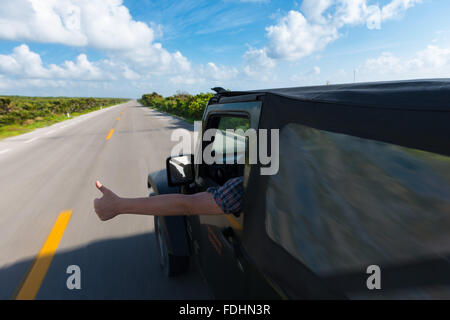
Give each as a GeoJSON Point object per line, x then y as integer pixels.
{"type": "Point", "coordinates": [363, 180]}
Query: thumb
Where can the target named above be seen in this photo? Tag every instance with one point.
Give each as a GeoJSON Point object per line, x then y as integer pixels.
{"type": "Point", "coordinates": [100, 187]}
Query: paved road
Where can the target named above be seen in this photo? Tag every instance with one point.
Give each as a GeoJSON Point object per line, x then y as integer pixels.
{"type": "Point", "coordinates": [51, 170]}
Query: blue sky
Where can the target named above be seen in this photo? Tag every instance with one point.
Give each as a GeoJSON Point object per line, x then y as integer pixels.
{"type": "Point", "coordinates": [127, 48]}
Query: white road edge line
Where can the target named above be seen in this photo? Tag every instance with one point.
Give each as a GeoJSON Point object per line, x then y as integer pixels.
{"type": "Point", "coordinates": [5, 151]}
{"type": "Point", "coordinates": [31, 140]}
{"type": "Point", "coordinates": [74, 121]}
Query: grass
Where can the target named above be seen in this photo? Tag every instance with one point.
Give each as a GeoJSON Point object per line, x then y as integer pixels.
{"type": "Point", "coordinates": [18, 129]}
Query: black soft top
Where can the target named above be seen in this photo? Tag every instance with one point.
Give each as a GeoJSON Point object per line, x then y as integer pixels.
{"type": "Point", "coordinates": [358, 189]}
{"type": "Point", "coordinates": [413, 113]}
{"type": "Point", "coordinates": [428, 94]}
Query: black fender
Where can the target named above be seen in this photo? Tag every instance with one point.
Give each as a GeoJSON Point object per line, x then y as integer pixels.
{"type": "Point", "coordinates": [174, 227]}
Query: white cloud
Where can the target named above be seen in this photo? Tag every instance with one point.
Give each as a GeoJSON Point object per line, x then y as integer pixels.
{"type": "Point", "coordinates": [23, 63]}
{"type": "Point", "coordinates": [309, 76]}
{"type": "Point", "coordinates": [294, 37]}
{"type": "Point", "coordinates": [387, 62]}
{"type": "Point", "coordinates": [209, 73]}
{"type": "Point", "coordinates": [131, 52]}
{"type": "Point", "coordinates": [434, 57]}
{"type": "Point", "coordinates": [81, 69]}
{"type": "Point", "coordinates": [353, 12]}
{"type": "Point", "coordinates": [257, 64]}
{"type": "Point", "coordinates": [316, 70]}
{"type": "Point", "coordinates": [298, 34]}
{"type": "Point", "coordinates": [313, 10]}
{"type": "Point", "coordinates": [154, 60]}
{"type": "Point", "coordinates": [129, 74]}
{"type": "Point", "coordinates": [8, 64]}
{"type": "Point", "coordinates": [183, 80]}
{"type": "Point", "coordinates": [23, 67]}
{"type": "Point", "coordinates": [219, 73]}
{"type": "Point", "coordinates": [431, 62]}
{"type": "Point", "coordinates": [102, 24]}
{"type": "Point", "coordinates": [15, 84]}
{"type": "Point", "coordinates": [396, 7]}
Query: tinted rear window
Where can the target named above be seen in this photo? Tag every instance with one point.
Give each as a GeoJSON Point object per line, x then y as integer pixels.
{"type": "Point", "coordinates": [341, 203]}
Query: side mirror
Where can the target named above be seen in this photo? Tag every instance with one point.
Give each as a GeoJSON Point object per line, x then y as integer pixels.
{"type": "Point", "coordinates": [180, 170]}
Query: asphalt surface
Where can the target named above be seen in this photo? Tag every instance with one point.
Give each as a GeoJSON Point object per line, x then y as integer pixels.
{"type": "Point", "coordinates": [54, 169]}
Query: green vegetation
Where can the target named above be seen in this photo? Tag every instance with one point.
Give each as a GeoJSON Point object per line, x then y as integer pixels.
{"type": "Point", "coordinates": [234, 123]}
{"type": "Point", "coordinates": [181, 104]}
{"type": "Point", "coordinates": [23, 114]}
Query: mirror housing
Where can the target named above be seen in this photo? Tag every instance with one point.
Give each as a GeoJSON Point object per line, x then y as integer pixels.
{"type": "Point", "coordinates": [180, 170]}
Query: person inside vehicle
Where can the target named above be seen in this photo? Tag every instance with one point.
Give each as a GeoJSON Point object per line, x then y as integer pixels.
{"type": "Point", "coordinates": [214, 201]}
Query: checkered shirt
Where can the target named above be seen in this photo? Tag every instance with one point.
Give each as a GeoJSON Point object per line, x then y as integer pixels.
{"type": "Point", "coordinates": [229, 196]}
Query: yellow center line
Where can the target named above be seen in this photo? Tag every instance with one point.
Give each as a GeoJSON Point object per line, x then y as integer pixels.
{"type": "Point", "coordinates": [40, 266]}
{"type": "Point", "coordinates": [110, 134]}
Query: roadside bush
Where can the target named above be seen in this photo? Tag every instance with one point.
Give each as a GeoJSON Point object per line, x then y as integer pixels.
{"type": "Point", "coordinates": [181, 104]}
{"type": "Point", "coordinates": [5, 105]}
{"type": "Point", "coordinates": [23, 110]}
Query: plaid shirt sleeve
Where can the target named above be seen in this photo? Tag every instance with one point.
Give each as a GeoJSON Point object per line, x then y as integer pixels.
{"type": "Point", "coordinates": [229, 196]}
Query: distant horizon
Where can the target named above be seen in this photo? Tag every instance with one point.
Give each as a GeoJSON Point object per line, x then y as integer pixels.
{"type": "Point", "coordinates": [211, 91]}
{"type": "Point", "coordinates": [56, 48]}
{"type": "Point", "coordinates": [43, 96]}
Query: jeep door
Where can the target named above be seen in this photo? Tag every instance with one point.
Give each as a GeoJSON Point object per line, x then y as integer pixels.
{"type": "Point", "coordinates": [217, 239]}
